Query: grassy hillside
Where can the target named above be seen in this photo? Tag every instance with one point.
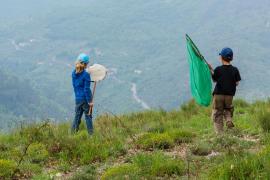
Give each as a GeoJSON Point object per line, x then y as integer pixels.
{"type": "Point", "coordinates": [157, 144]}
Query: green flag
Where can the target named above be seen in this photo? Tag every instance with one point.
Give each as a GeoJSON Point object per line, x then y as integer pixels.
{"type": "Point", "coordinates": [200, 75]}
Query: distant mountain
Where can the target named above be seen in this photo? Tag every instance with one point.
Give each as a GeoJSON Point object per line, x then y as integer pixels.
{"type": "Point", "coordinates": [141, 43]}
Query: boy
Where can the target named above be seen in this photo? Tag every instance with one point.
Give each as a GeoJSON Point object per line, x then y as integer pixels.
{"type": "Point", "coordinates": [226, 77]}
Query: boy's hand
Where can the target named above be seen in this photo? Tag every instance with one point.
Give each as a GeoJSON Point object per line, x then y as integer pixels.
{"type": "Point", "coordinates": [210, 67]}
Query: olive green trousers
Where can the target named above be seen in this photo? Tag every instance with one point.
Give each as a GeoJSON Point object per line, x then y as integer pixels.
{"type": "Point", "coordinates": [222, 110]}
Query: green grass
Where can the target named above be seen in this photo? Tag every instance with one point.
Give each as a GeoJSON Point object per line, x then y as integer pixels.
{"type": "Point", "coordinates": [152, 144]}
{"type": "Point", "coordinates": [264, 120]}
{"type": "Point", "coordinates": [148, 166]}
{"type": "Point", "coordinates": [246, 166]}
{"type": "Point", "coordinates": [201, 149]}
{"type": "Point", "coordinates": [152, 141]}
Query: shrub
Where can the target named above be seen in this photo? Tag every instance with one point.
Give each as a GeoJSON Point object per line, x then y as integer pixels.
{"type": "Point", "coordinates": [230, 144]}
{"type": "Point", "coordinates": [201, 149]}
{"type": "Point", "coordinates": [157, 164]}
{"type": "Point", "coordinates": [151, 141]}
{"type": "Point", "coordinates": [264, 120]}
{"type": "Point", "coordinates": [37, 153]}
{"type": "Point", "coordinates": [181, 136]}
{"type": "Point", "coordinates": [7, 168]}
{"type": "Point", "coordinates": [147, 166]}
{"type": "Point", "coordinates": [127, 171]}
{"type": "Point", "coordinates": [28, 169]}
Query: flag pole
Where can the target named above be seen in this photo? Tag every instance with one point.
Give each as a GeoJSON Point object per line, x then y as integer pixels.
{"type": "Point", "coordinates": [198, 52]}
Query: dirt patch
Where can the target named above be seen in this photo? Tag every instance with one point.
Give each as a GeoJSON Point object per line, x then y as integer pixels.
{"type": "Point", "coordinates": [178, 151]}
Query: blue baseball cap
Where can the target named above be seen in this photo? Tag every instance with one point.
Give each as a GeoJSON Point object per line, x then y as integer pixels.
{"type": "Point", "coordinates": [227, 54]}
{"type": "Point", "coordinates": [84, 58]}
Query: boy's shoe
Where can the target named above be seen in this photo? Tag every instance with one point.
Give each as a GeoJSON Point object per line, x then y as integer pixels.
{"type": "Point", "coordinates": [230, 124]}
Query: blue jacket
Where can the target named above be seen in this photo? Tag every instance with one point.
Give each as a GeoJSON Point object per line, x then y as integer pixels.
{"type": "Point", "coordinates": [81, 83]}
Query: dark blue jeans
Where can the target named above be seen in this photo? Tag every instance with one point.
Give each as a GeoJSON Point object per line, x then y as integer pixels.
{"type": "Point", "coordinates": [82, 107]}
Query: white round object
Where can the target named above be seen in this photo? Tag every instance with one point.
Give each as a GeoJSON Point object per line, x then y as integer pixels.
{"type": "Point", "coordinates": [97, 72]}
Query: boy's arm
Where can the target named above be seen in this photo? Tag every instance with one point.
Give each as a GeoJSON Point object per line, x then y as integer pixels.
{"type": "Point", "coordinates": [212, 72]}
{"type": "Point", "coordinates": [211, 69]}
{"type": "Point", "coordinates": [238, 77]}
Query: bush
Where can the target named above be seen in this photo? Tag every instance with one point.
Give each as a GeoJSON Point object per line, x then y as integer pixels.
{"type": "Point", "coordinates": [152, 141]}
{"type": "Point", "coordinates": [127, 171]}
{"type": "Point", "coordinates": [147, 166]}
{"type": "Point", "coordinates": [37, 153]}
{"type": "Point", "coordinates": [230, 144]}
{"type": "Point", "coordinates": [7, 168]}
{"type": "Point", "coordinates": [201, 149]}
{"type": "Point", "coordinates": [157, 164]}
{"type": "Point", "coordinates": [28, 169]}
{"type": "Point", "coordinates": [264, 120]}
{"type": "Point", "coordinates": [181, 136]}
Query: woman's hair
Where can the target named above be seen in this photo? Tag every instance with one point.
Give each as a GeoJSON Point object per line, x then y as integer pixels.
{"type": "Point", "coordinates": [79, 67]}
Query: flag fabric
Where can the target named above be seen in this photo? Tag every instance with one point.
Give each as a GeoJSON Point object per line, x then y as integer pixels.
{"type": "Point", "coordinates": [200, 75]}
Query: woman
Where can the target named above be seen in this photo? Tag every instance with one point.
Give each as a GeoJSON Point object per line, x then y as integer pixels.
{"type": "Point", "coordinates": [81, 81]}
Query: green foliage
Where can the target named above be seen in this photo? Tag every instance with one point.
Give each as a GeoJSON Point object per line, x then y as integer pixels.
{"type": "Point", "coordinates": [240, 103]}
{"type": "Point", "coordinates": [147, 166]}
{"type": "Point", "coordinates": [180, 136]}
{"type": "Point", "coordinates": [151, 141]}
{"type": "Point", "coordinates": [37, 153]}
{"type": "Point", "coordinates": [7, 168]}
{"type": "Point", "coordinates": [28, 169]}
{"type": "Point", "coordinates": [230, 144]}
{"type": "Point", "coordinates": [127, 171]}
{"type": "Point", "coordinates": [242, 167]}
{"type": "Point", "coordinates": [41, 177]}
{"type": "Point", "coordinates": [201, 149]}
{"type": "Point", "coordinates": [157, 164]}
{"type": "Point", "coordinates": [264, 120]}
{"type": "Point", "coordinates": [190, 108]}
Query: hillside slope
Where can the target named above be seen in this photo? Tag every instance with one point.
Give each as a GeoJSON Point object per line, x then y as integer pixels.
{"type": "Point", "coordinates": [179, 144]}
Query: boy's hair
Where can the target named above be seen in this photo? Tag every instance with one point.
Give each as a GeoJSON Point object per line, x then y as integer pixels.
{"type": "Point", "coordinates": [226, 59]}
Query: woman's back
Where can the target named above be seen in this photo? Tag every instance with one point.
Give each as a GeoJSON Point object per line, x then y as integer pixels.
{"type": "Point", "coordinates": [81, 84]}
